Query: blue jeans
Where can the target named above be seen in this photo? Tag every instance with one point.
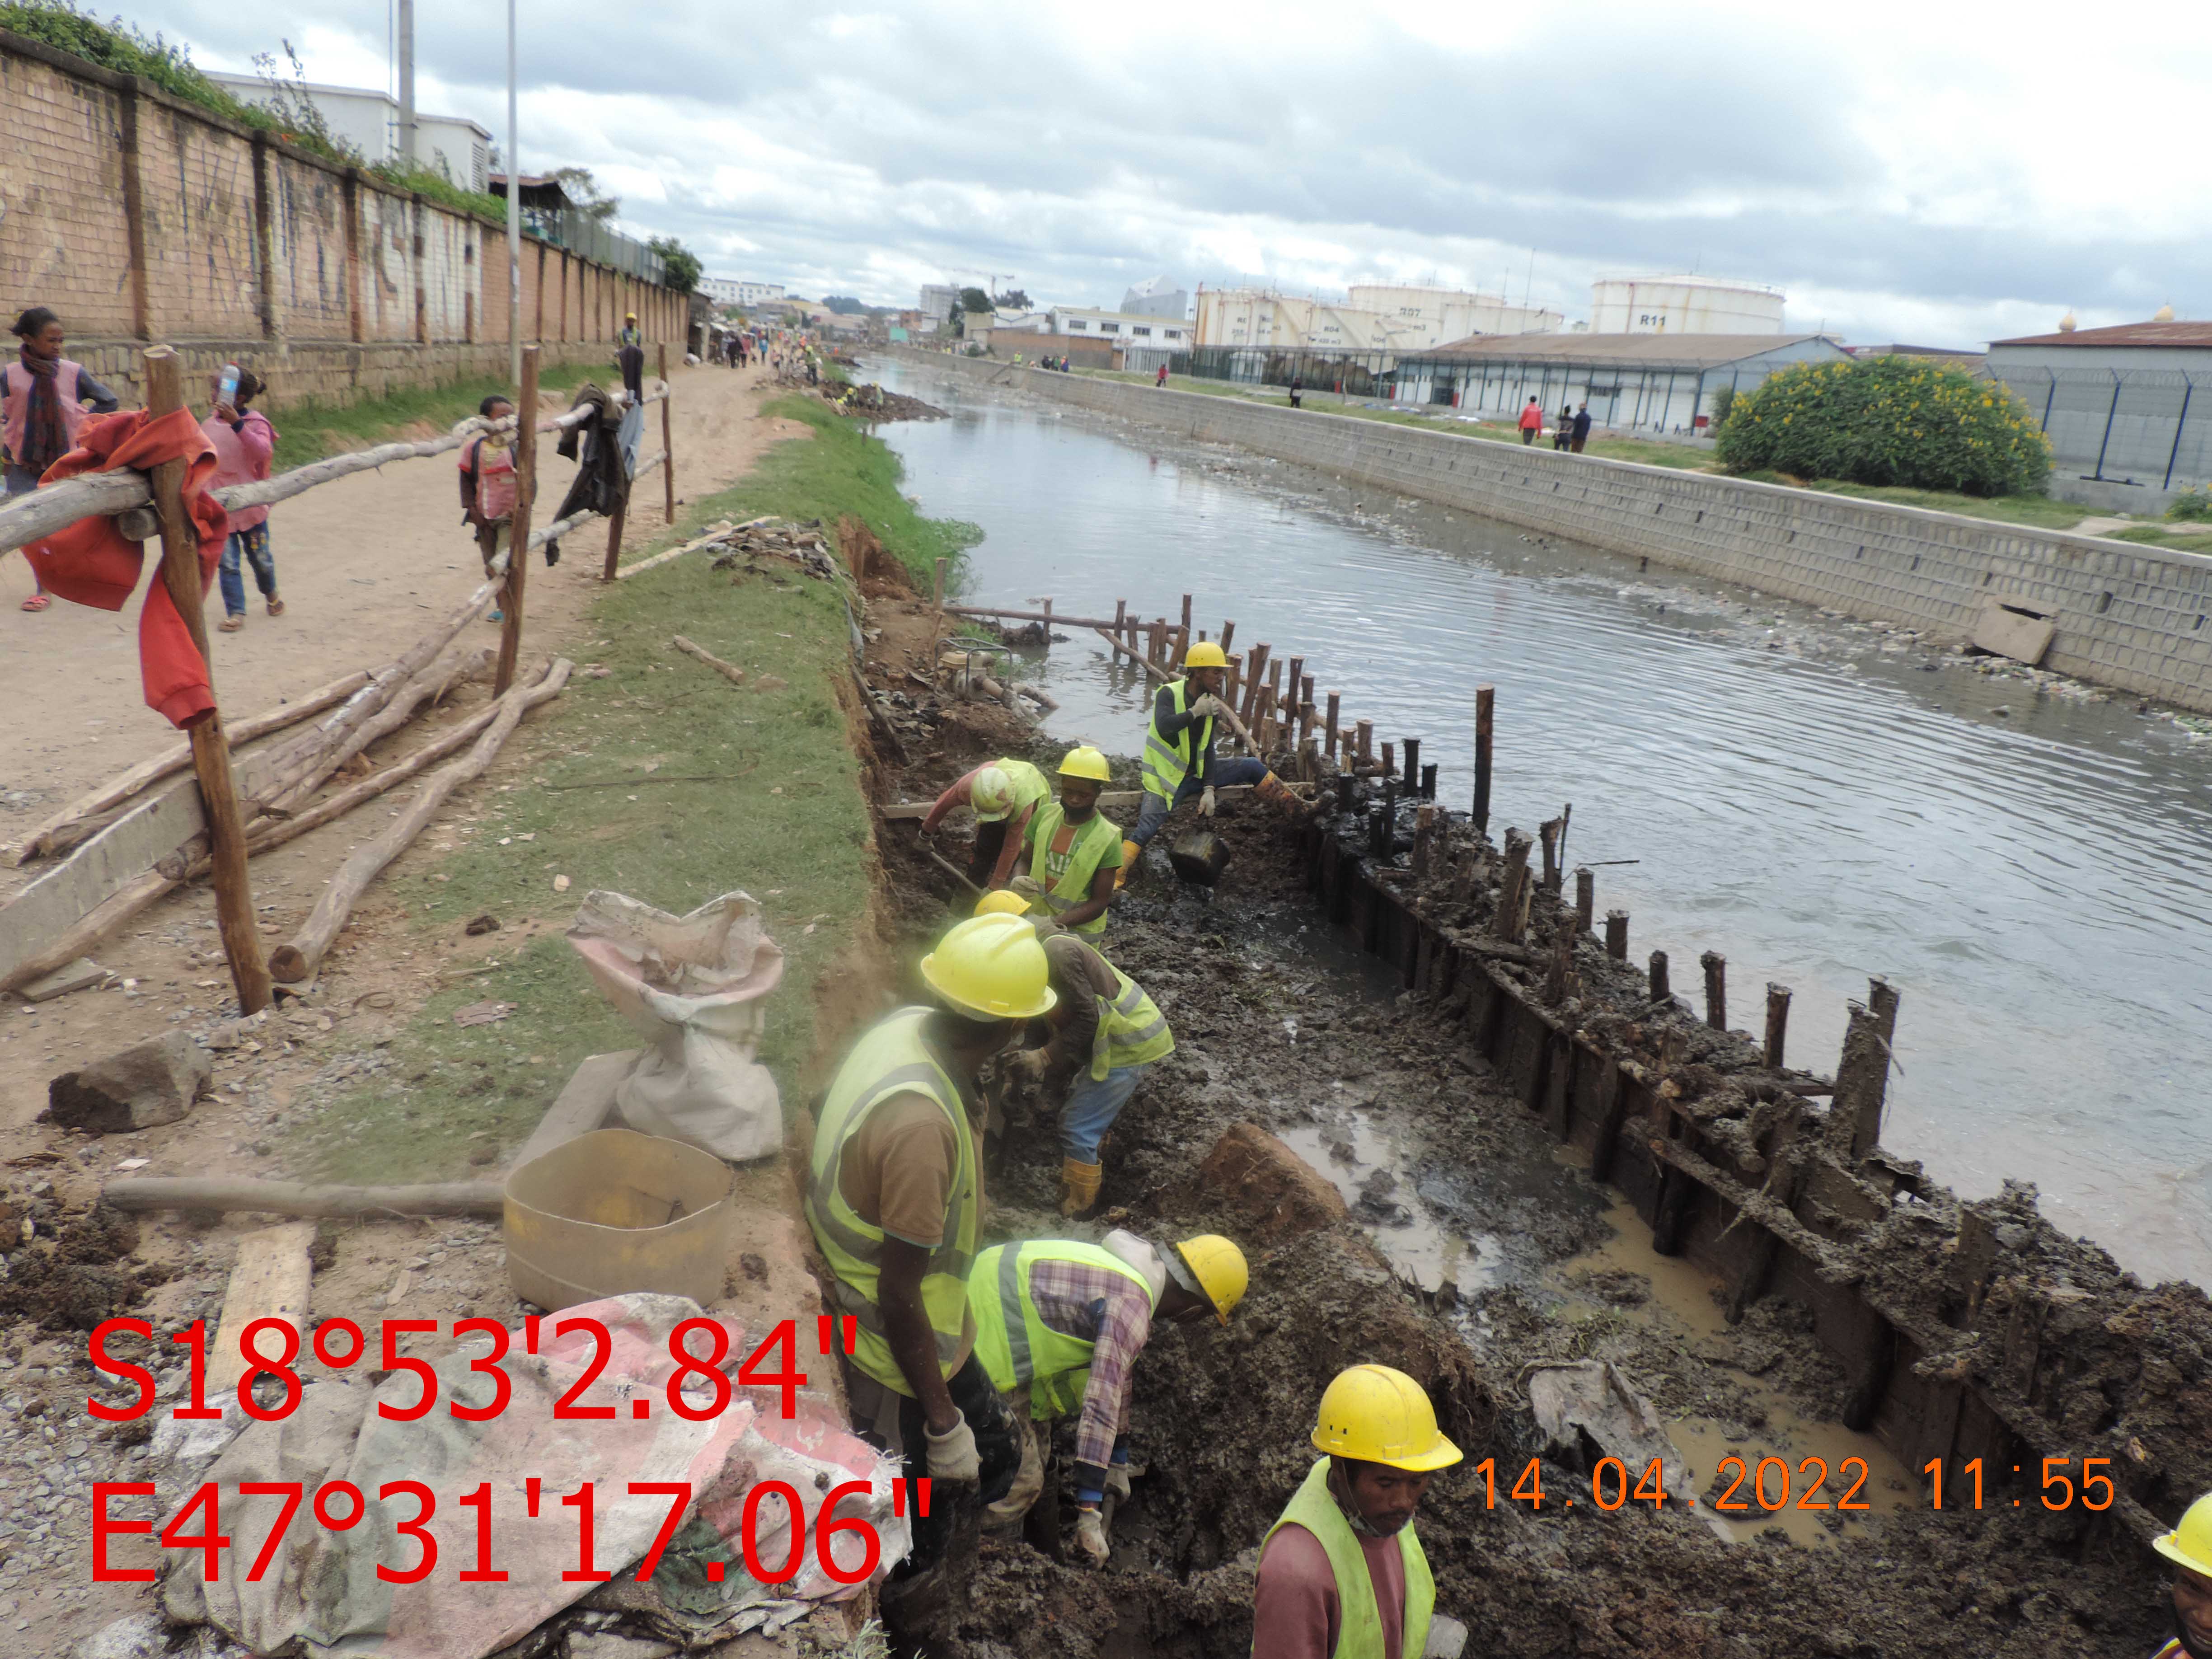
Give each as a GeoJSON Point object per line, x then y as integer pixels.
{"type": "Point", "coordinates": [1153, 813]}
{"type": "Point", "coordinates": [254, 543]}
{"type": "Point", "coordinates": [1091, 1108]}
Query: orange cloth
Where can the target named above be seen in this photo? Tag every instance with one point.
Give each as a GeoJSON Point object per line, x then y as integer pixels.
{"type": "Point", "coordinates": [91, 562]}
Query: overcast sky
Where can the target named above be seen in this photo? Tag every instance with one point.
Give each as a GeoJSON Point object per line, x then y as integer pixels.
{"type": "Point", "coordinates": [1942, 173]}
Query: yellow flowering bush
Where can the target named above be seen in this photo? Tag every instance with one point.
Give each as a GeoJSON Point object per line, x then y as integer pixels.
{"type": "Point", "coordinates": [1889, 420]}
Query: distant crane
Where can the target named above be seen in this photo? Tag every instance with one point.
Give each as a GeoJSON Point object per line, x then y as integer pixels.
{"type": "Point", "coordinates": [991, 288]}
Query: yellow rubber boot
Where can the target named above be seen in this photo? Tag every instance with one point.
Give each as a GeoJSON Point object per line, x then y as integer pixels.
{"type": "Point", "coordinates": [1078, 1186]}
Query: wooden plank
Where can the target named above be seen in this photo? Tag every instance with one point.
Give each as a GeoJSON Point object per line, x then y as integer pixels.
{"type": "Point", "coordinates": [270, 1280]}
{"type": "Point", "coordinates": [118, 854]}
{"type": "Point", "coordinates": [2015, 628]}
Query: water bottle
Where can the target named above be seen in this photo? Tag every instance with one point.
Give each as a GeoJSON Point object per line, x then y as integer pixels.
{"type": "Point", "coordinates": [225, 387]}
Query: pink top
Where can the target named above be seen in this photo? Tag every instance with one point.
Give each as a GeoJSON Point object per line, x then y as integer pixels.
{"type": "Point", "coordinates": [495, 468]}
{"type": "Point", "coordinates": [242, 457]}
{"type": "Point", "coordinates": [15, 401]}
{"type": "Point", "coordinates": [1294, 1606]}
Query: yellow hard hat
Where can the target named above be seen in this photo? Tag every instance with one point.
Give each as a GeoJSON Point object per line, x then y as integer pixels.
{"type": "Point", "coordinates": [2189, 1544]}
{"type": "Point", "coordinates": [1206, 654]}
{"type": "Point", "coordinates": [1002, 903]}
{"type": "Point", "coordinates": [991, 968]}
{"type": "Point", "coordinates": [992, 794]}
{"type": "Point", "coordinates": [1218, 1266]}
{"type": "Point", "coordinates": [1378, 1415]}
{"type": "Point", "coordinates": [1084, 762]}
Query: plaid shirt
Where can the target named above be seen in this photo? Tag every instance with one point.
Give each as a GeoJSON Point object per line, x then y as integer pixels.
{"type": "Point", "coordinates": [1113, 1313]}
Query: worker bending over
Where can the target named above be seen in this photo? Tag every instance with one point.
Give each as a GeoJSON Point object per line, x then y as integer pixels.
{"type": "Point", "coordinates": [1004, 794]}
{"type": "Point", "coordinates": [1342, 1575]}
{"type": "Point", "coordinates": [2189, 1547]}
{"type": "Point", "coordinates": [895, 1196]}
{"type": "Point", "coordinates": [1075, 851]}
{"type": "Point", "coordinates": [1059, 1326]}
{"type": "Point", "coordinates": [1179, 759]}
{"type": "Point", "coordinates": [1107, 1032]}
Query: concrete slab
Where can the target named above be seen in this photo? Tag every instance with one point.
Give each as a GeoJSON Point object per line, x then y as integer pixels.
{"type": "Point", "coordinates": [74, 976]}
{"type": "Point", "coordinates": [587, 1102]}
{"type": "Point", "coordinates": [2015, 628]}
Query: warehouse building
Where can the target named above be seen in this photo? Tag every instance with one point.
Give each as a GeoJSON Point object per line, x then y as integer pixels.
{"type": "Point", "coordinates": [1661, 383]}
{"type": "Point", "coordinates": [2119, 406]}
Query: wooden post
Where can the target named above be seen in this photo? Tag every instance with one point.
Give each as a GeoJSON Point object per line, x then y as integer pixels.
{"type": "Point", "coordinates": [1291, 684]}
{"type": "Point", "coordinates": [1716, 967]}
{"type": "Point", "coordinates": [1616, 934]}
{"type": "Point", "coordinates": [1549, 829]}
{"type": "Point", "coordinates": [1425, 824]}
{"type": "Point", "coordinates": [667, 432]}
{"type": "Point", "coordinates": [1411, 748]}
{"type": "Point", "coordinates": [517, 541]}
{"type": "Point", "coordinates": [1389, 761]}
{"type": "Point", "coordinates": [1661, 991]}
{"type": "Point", "coordinates": [163, 373]}
{"type": "Point", "coordinates": [1778, 1024]}
{"type": "Point", "coordinates": [1429, 780]}
{"type": "Point", "coordinates": [1274, 701]}
{"type": "Point", "coordinates": [1365, 743]}
{"type": "Point", "coordinates": [1122, 618]}
{"type": "Point", "coordinates": [1585, 899]}
{"type": "Point", "coordinates": [1228, 633]}
{"type": "Point", "coordinates": [1185, 633]}
{"type": "Point", "coordinates": [1329, 726]}
{"type": "Point", "coordinates": [1485, 710]}
{"type": "Point", "coordinates": [1255, 667]}
{"type": "Point", "coordinates": [1305, 722]}
{"type": "Point", "coordinates": [1559, 981]}
{"type": "Point", "coordinates": [1233, 682]}
{"type": "Point", "coordinates": [1506, 924]}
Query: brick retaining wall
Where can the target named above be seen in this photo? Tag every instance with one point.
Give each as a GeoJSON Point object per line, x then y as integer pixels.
{"type": "Point", "coordinates": [2128, 616]}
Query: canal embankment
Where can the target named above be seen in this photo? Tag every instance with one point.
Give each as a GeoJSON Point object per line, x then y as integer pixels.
{"type": "Point", "coordinates": [2136, 619]}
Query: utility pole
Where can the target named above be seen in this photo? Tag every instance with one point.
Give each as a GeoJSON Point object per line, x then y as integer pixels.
{"type": "Point", "coordinates": [513, 225]}
{"type": "Point", "coordinates": [407, 152]}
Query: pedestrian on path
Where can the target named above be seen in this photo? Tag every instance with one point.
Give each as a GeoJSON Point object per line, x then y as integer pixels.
{"type": "Point", "coordinates": [1161, 380]}
{"type": "Point", "coordinates": [42, 403]}
{"type": "Point", "coordinates": [1581, 428]}
{"type": "Point", "coordinates": [1563, 433]}
{"type": "Point", "coordinates": [1298, 390]}
{"type": "Point", "coordinates": [487, 486]}
{"type": "Point", "coordinates": [244, 444]}
{"type": "Point", "coordinates": [1532, 421]}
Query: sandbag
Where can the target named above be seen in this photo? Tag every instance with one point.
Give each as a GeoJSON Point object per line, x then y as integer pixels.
{"type": "Point", "coordinates": [691, 987]}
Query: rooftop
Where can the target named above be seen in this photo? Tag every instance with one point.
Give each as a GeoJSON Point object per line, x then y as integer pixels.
{"type": "Point", "coordinates": [1652, 350]}
{"type": "Point", "coordinates": [2124, 334]}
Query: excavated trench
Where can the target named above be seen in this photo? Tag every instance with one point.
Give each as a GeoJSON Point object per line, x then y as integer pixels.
{"type": "Point", "coordinates": [1381, 1106]}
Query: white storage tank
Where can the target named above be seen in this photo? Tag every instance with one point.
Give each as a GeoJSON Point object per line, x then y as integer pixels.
{"type": "Point", "coordinates": [1683, 305]}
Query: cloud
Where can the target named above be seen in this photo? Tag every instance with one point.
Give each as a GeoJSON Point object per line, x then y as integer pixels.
{"type": "Point", "coordinates": [1903, 171]}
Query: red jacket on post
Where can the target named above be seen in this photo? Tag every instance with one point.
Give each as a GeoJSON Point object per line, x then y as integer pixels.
{"type": "Point", "coordinates": [93, 563]}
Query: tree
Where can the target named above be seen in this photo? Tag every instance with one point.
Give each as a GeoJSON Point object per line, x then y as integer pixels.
{"type": "Point", "coordinates": [1893, 420]}
{"type": "Point", "coordinates": [679, 266]}
{"type": "Point", "coordinates": [844, 304]}
{"type": "Point", "coordinates": [584, 194]}
{"type": "Point", "coordinates": [1014, 299]}
{"type": "Point", "coordinates": [1723, 401]}
{"type": "Point", "coordinates": [974, 299]}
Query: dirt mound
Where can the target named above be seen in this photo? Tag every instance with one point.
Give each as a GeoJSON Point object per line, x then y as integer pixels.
{"type": "Point", "coordinates": [76, 1269]}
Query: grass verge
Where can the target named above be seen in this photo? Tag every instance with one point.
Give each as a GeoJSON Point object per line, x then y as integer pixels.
{"type": "Point", "coordinates": [2197, 541]}
{"type": "Point", "coordinates": [307, 432]}
{"type": "Point", "coordinates": [596, 787]}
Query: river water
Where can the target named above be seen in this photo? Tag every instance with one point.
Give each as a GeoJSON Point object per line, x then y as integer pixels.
{"type": "Point", "coordinates": [2032, 869]}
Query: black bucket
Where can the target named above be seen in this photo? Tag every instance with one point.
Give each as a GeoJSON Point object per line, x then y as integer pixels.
{"type": "Point", "coordinates": [1199, 857]}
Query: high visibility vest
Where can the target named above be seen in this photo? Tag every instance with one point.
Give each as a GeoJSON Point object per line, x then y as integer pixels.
{"type": "Point", "coordinates": [1066, 877]}
{"type": "Point", "coordinates": [1359, 1619]}
{"type": "Point", "coordinates": [1031, 788]}
{"type": "Point", "coordinates": [1167, 764]}
{"type": "Point", "coordinates": [891, 1058]}
{"type": "Point", "coordinates": [1015, 1347]}
{"type": "Point", "coordinates": [1131, 1030]}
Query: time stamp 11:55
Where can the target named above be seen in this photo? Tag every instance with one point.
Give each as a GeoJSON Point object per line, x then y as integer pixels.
{"type": "Point", "coordinates": [1773, 1484]}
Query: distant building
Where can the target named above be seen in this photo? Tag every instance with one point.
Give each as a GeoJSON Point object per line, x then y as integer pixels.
{"type": "Point", "coordinates": [1120, 327]}
{"type": "Point", "coordinates": [369, 121]}
{"type": "Point", "coordinates": [2119, 407]}
{"type": "Point", "coordinates": [1156, 299]}
{"type": "Point", "coordinates": [939, 300]}
{"type": "Point", "coordinates": [1371, 317]}
{"type": "Point", "coordinates": [1683, 305]}
{"type": "Point", "coordinates": [1659, 382]}
{"type": "Point", "coordinates": [759, 293]}
{"type": "Point", "coordinates": [722, 290]}
{"type": "Point", "coordinates": [1958, 356]}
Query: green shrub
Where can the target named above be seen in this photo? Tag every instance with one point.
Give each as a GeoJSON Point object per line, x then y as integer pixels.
{"type": "Point", "coordinates": [1889, 420]}
{"type": "Point", "coordinates": [2192, 504]}
{"type": "Point", "coordinates": [1723, 405]}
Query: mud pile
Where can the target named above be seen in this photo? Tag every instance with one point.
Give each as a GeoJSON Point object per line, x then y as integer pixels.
{"type": "Point", "coordinates": [68, 1270]}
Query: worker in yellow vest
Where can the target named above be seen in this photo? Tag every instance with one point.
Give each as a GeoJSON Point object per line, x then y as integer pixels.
{"type": "Point", "coordinates": [1342, 1575]}
{"type": "Point", "coordinates": [1059, 1326]}
{"type": "Point", "coordinates": [2189, 1547]}
{"type": "Point", "coordinates": [1075, 851]}
{"type": "Point", "coordinates": [1004, 794]}
{"type": "Point", "coordinates": [1179, 760]}
{"type": "Point", "coordinates": [1106, 1033]}
{"type": "Point", "coordinates": [895, 1196]}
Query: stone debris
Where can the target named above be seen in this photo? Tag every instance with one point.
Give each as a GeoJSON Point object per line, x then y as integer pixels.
{"type": "Point", "coordinates": [145, 1086]}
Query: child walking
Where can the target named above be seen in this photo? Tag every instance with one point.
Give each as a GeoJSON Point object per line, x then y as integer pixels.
{"type": "Point", "coordinates": [488, 486]}
{"type": "Point", "coordinates": [244, 441]}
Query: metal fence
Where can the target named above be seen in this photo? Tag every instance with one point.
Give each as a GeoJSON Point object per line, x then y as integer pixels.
{"type": "Point", "coordinates": [2141, 426]}
{"type": "Point", "coordinates": [587, 239]}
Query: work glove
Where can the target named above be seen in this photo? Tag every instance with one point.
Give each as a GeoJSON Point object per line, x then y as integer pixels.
{"type": "Point", "coordinates": [1091, 1537]}
{"type": "Point", "coordinates": [1207, 706]}
{"type": "Point", "coordinates": [952, 1455]}
{"type": "Point", "coordinates": [1205, 802]}
{"type": "Point", "coordinates": [1028, 886]}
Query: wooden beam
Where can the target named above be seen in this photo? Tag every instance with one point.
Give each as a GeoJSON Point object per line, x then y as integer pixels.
{"type": "Point", "coordinates": [296, 1198]}
{"type": "Point", "coordinates": [269, 1280]}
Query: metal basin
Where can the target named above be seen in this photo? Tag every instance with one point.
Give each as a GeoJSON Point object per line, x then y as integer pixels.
{"type": "Point", "coordinates": [1198, 856]}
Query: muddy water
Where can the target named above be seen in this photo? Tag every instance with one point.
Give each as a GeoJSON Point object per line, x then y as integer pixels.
{"type": "Point", "coordinates": [2034, 870]}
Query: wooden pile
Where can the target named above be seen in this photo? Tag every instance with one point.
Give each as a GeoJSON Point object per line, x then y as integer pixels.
{"type": "Point", "coordinates": [805, 544]}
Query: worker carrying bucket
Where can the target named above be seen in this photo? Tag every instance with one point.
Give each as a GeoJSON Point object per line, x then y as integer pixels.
{"type": "Point", "coordinates": [895, 1199]}
{"type": "Point", "coordinates": [2189, 1547]}
{"type": "Point", "coordinates": [1059, 1326]}
{"type": "Point", "coordinates": [1106, 1033]}
{"type": "Point", "coordinates": [1342, 1572]}
{"type": "Point", "coordinates": [1180, 763]}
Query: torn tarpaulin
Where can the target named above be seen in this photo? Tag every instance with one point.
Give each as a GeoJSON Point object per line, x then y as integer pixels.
{"type": "Point", "coordinates": [321, 1589]}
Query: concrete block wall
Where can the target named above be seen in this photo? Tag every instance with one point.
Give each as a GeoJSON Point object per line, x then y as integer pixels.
{"type": "Point", "coordinates": [139, 217]}
{"type": "Point", "coordinates": [2127, 616]}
